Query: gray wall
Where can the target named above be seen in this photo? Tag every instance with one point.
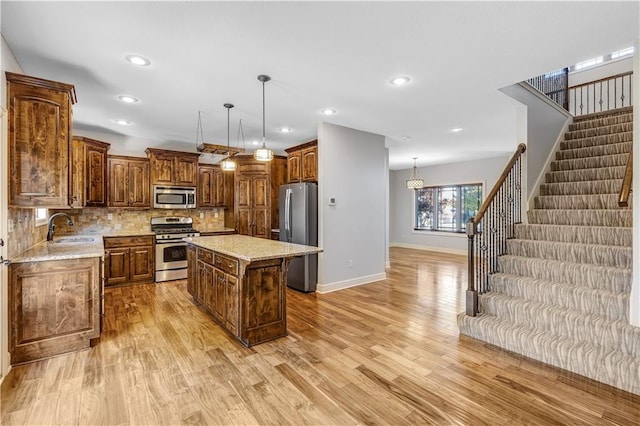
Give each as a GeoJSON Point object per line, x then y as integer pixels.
{"type": "Point", "coordinates": [351, 169]}
{"type": "Point", "coordinates": [485, 171]}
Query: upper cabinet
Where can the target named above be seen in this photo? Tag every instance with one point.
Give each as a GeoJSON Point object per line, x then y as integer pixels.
{"type": "Point", "coordinates": [302, 162]}
{"type": "Point", "coordinates": [39, 141]}
{"type": "Point", "coordinates": [88, 173]}
{"type": "Point", "coordinates": [128, 182]}
{"type": "Point", "coordinates": [215, 187]}
{"type": "Point", "coordinates": [173, 168]}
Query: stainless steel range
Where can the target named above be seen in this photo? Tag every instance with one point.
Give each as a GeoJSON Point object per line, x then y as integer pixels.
{"type": "Point", "coordinates": [171, 249]}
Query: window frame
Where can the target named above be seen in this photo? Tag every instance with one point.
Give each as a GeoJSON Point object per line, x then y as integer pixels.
{"type": "Point", "coordinates": [444, 232]}
{"type": "Point", "coordinates": [40, 220]}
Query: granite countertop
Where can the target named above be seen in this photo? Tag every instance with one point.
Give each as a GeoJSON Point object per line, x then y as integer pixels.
{"type": "Point", "coordinates": [62, 248]}
{"type": "Point", "coordinates": [251, 249]}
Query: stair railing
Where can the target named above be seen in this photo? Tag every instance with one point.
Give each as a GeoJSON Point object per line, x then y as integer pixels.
{"type": "Point", "coordinates": [625, 190]}
{"type": "Point", "coordinates": [490, 228]}
{"type": "Point", "coordinates": [601, 95]}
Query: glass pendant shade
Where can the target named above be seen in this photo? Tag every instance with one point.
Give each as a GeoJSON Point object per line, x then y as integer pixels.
{"type": "Point", "coordinates": [228, 165]}
{"type": "Point", "coordinates": [263, 153]}
{"type": "Point", "coordinates": [415, 181]}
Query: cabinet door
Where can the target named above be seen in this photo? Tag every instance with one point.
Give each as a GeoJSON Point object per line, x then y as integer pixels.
{"type": "Point", "coordinates": [77, 186]}
{"type": "Point", "coordinates": [260, 202]}
{"type": "Point", "coordinates": [142, 267]}
{"type": "Point", "coordinates": [117, 266]}
{"type": "Point", "coordinates": [220, 307]}
{"type": "Point", "coordinates": [231, 304]}
{"type": "Point", "coordinates": [209, 288]}
{"type": "Point", "coordinates": [185, 171]}
{"type": "Point", "coordinates": [138, 184]}
{"type": "Point", "coordinates": [39, 142]}
{"type": "Point", "coordinates": [192, 274]}
{"type": "Point", "coordinates": [201, 282]}
{"type": "Point", "coordinates": [309, 160]}
{"type": "Point", "coordinates": [206, 185]}
{"type": "Point", "coordinates": [118, 180]}
{"type": "Point", "coordinates": [220, 188]}
{"type": "Point", "coordinates": [243, 205]}
{"type": "Point", "coordinates": [293, 167]}
{"type": "Point", "coordinates": [95, 161]}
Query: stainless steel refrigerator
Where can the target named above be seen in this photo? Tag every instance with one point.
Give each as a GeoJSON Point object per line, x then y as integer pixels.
{"type": "Point", "coordinates": [299, 225]}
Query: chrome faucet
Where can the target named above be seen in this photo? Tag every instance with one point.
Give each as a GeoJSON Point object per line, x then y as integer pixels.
{"type": "Point", "coordinates": [52, 228]}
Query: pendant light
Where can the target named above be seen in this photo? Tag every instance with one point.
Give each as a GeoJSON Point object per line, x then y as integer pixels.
{"type": "Point", "coordinates": [228, 165]}
{"type": "Point", "coordinates": [263, 154]}
{"type": "Point", "coordinates": [415, 181]}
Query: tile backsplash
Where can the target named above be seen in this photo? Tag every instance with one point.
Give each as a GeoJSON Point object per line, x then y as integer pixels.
{"type": "Point", "coordinates": [23, 232]}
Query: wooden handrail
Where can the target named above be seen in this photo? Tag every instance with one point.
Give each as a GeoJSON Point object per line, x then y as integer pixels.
{"type": "Point", "coordinates": [625, 190]}
{"type": "Point", "coordinates": [487, 201]}
{"type": "Point", "coordinates": [611, 77]}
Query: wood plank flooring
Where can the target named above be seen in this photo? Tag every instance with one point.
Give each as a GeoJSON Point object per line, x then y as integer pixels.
{"type": "Point", "coordinates": [383, 353]}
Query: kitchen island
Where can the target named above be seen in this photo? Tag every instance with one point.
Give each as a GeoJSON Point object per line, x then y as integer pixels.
{"type": "Point", "coordinates": [241, 282]}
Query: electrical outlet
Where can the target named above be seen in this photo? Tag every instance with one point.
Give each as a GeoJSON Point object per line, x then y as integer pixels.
{"type": "Point", "coordinates": [109, 216]}
{"type": "Point", "coordinates": [11, 225]}
{"type": "Point", "coordinates": [201, 215]}
{"type": "Point", "coordinates": [350, 263]}
{"type": "Point", "coordinates": [215, 214]}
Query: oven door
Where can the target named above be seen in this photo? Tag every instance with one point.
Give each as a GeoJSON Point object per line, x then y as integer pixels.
{"type": "Point", "coordinates": [171, 255]}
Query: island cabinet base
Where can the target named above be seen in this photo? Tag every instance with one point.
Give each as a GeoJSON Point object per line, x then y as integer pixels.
{"type": "Point", "coordinates": [55, 307]}
{"type": "Point", "coordinates": [248, 299]}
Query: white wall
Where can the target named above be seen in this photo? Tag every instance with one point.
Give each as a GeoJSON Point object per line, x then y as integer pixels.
{"type": "Point", "coordinates": [605, 70]}
{"type": "Point", "coordinates": [351, 169]}
{"type": "Point", "coordinates": [485, 171]}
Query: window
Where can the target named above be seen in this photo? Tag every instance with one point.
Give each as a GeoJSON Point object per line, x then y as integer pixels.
{"type": "Point", "coordinates": [588, 63]}
{"type": "Point", "coordinates": [41, 216]}
{"type": "Point", "coordinates": [621, 53]}
{"type": "Point", "coordinates": [446, 208]}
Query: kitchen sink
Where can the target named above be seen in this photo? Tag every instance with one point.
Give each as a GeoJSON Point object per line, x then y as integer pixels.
{"type": "Point", "coordinates": [71, 240]}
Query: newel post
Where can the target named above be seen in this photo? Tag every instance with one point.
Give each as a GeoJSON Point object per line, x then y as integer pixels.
{"type": "Point", "coordinates": [472, 293]}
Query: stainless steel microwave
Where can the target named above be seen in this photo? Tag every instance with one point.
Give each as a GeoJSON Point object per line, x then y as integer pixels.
{"type": "Point", "coordinates": [174, 197]}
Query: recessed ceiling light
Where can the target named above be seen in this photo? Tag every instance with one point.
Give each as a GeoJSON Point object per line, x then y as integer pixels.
{"type": "Point", "coordinates": [128, 99]}
{"type": "Point", "coordinates": [328, 111]}
{"type": "Point", "coordinates": [406, 138]}
{"type": "Point", "coordinates": [138, 60]}
{"type": "Point", "coordinates": [285, 130]}
{"type": "Point", "coordinates": [456, 129]}
{"type": "Point", "coordinates": [400, 80]}
{"type": "Point", "coordinates": [122, 122]}
{"type": "Point", "coordinates": [255, 143]}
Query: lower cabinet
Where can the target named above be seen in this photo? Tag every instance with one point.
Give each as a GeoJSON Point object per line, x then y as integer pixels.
{"type": "Point", "coordinates": [54, 307]}
{"type": "Point", "coordinates": [248, 300]}
{"type": "Point", "coordinates": [129, 259]}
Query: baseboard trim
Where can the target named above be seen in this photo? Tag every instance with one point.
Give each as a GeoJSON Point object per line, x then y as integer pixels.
{"type": "Point", "coordinates": [353, 282]}
{"type": "Point", "coordinates": [387, 264]}
{"type": "Point", "coordinates": [430, 248]}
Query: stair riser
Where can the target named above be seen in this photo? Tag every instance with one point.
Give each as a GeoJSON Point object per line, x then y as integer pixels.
{"type": "Point", "coordinates": [597, 277]}
{"type": "Point", "coordinates": [612, 368]}
{"type": "Point", "coordinates": [613, 113]}
{"type": "Point", "coordinates": [598, 131]}
{"type": "Point", "coordinates": [582, 217]}
{"type": "Point", "coordinates": [597, 141]}
{"type": "Point", "coordinates": [576, 234]}
{"type": "Point", "coordinates": [577, 202]}
{"type": "Point", "coordinates": [583, 175]}
{"type": "Point", "coordinates": [615, 160]}
{"type": "Point", "coordinates": [595, 151]}
{"type": "Point", "coordinates": [617, 257]}
{"type": "Point", "coordinates": [613, 306]}
{"type": "Point", "coordinates": [581, 188]}
{"type": "Point", "coordinates": [564, 323]}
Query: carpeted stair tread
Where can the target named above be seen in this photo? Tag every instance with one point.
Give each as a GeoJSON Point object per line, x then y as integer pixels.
{"type": "Point", "coordinates": [599, 131]}
{"type": "Point", "coordinates": [606, 365]}
{"type": "Point", "coordinates": [587, 301]}
{"type": "Point", "coordinates": [613, 160]}
{"type": "Point", "coordinates": [591, 254]}
{"type": "Point", "coordinates": [612, 113]}
{"type": "Point", "coordinates": [562, 321]}
{"type": "Point", "coordinates": [582, 217]}
{"type": "Point", "coordinates": [584, 175]}
{"type": "Point", "coordinates": [601, 122]}
{"type": "Point", "coordinates": [577, 202]}
{"type": "Point", "coordinates": [615, 280]}
{"type": "Point", "coordinates": [595, 151]}
{"type": "Point", "coordinates": [603, 235]}
{"type": "Point", "coordinates": [610, 186]}
{"type": "Point", "coordinates": [594, 141]}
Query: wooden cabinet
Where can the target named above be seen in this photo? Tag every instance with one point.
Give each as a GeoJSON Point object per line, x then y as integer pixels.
{"type": "Point", "coordinates": [128, 182]}
{"type": "Point", "coordinates": [256, 192]}
{"type": "Point", "coordinates": [215, 187]}
{"type": "Point", "coordinates": [248, 300]}
{"type": "Point", "coordinates": [39, 141]}
{"type": "Point", "coordinates": [302, 162]}
{"type": "Point", "coordinates": [129, 259]}
{"type": "Point", "coordinates": [88, 173]}
{"type": "Point", "coordinates": [55, 307]}
{"type": "Point", "coordinates": [173, 168]}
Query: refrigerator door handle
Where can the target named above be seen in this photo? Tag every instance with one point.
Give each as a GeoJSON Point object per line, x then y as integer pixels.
{"type": "Point", "coordinates": [287, 215]}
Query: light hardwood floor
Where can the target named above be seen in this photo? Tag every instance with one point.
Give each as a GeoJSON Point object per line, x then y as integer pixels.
{"type": "Point", "coordinates": [383, 353]}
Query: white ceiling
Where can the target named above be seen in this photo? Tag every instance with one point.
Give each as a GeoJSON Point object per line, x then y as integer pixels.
{"type": "Point", "coordinates": [319, 54]}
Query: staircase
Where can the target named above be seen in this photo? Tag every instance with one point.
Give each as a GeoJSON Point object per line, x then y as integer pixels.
{"type": "Point", "coordinates": [561, 295]}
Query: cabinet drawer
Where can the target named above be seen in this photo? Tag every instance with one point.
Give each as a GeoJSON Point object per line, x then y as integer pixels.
{"type": "Point", "coordinates": [205, 256]}
{"type": "Point", "coordinates": [262, 168]}
{"type": "Point", "coordinates": [226, 264]}
{"type": "Point", "coordinates": [117, 242]}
